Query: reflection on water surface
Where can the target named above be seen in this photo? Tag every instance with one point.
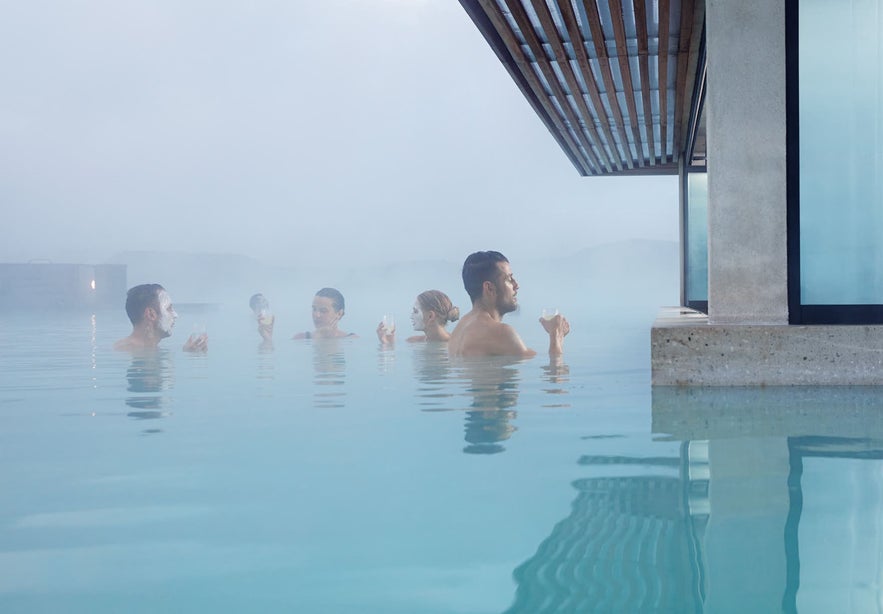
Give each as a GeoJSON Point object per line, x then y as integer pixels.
{"type": "Point", "coordinates": [150, 377]}
{"type": "Point", "coordinates": [343, 477]}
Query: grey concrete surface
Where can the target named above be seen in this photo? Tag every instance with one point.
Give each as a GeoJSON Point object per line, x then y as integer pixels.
{"type": "Point", "coordinates": [688, 350]}
{"type": "Point", "coordinates": [746, 162]}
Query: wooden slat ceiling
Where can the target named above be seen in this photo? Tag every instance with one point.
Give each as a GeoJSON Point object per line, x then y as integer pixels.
{"type": "Point", "coordinates": [592, 71]}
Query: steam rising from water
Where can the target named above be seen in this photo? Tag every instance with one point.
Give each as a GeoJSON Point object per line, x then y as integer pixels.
{"type": "Point", "coordinates": [595, 289]}
{"type": "Point", "coordinates": [251, 130]}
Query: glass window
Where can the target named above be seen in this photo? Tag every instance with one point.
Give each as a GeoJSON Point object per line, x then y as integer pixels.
{"type": "Point", "coordinates": [696, 231]}
{"type": "Point", "coordinates": [841, 151]}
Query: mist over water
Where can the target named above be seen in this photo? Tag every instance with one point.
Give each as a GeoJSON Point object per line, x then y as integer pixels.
{"type": "Point", "coordinates": [223, 150]}
{"type": "Point", "coordinates": [187, 129]}
{"type": "Point", "coordinates": [599, 290]}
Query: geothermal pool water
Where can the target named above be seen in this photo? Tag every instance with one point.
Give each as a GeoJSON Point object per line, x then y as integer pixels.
{"type": "Point", "coordinates": [345, 478]}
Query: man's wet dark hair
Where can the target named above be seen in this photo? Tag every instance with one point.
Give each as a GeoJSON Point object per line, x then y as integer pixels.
{"type": "Point", "coordinates": [479, 268]}
{"type": "Point", "coordinates": [336, 298]}
{"type": "Point", "coordinates": [140, 298]}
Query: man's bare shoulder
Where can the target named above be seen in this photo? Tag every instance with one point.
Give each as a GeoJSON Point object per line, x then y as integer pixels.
{"type": "Point", "coordinates": [478, 335]}
{"type": "Point", "coordinates": [126, 344]}
{"type": "Point", "coordinates": [132, 344]}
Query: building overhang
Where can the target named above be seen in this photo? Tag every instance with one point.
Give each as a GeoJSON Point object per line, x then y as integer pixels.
{"type": "Point", "coordinates": [618, 83]}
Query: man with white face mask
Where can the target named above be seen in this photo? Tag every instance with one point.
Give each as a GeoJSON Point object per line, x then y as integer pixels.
{"type": "Point", "coordinates": [150, 310]}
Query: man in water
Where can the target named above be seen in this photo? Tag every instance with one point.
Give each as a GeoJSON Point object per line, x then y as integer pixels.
{"type": "Point", "coordinates": [150, 309]}
{"type": "Point", "coordinates": [488, 279]}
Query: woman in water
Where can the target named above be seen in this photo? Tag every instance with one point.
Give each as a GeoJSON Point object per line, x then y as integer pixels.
{"type": "Point", "coordinates": [328, 309]}
{"type": "Point", "coordinates": [432, 311]}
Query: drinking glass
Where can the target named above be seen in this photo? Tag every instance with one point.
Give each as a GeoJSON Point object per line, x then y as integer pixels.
{"type": "Point", "coordinates": [549, 312]}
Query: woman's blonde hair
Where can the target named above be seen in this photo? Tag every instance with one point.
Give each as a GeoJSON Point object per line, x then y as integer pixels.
{"type": "Point", "coordinates": [434, 300]}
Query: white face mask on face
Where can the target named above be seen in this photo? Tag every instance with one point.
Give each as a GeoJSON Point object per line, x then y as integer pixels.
{"type": "Point", "coordinates": [418, 321]}
{"type": "Point", "coordinates": [167, 315]}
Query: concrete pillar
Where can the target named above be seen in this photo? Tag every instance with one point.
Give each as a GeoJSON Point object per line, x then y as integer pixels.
{"type": "Point", "coordinates": [747, 251]}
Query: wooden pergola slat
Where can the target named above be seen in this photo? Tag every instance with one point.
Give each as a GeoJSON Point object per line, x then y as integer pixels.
{"type": "Point", "coordinates": [643, 65]}
{"type": "Point", "coordinates": [582, 59]}
{"type": "Point", "coordinates": [662, 57]}
{"type": "Point", "coordinates": [514, 48]}
{"type": "Point", "coordinates": [542, 11]}
{"type": "Point", "coordinates": [520, 16]}
{"type": "Point", "coordinates": [683, 55]}
{"type": "Point", "coordinates": [578, 100]}
{"type": "Point", "coordinates": [698, 19]}
{"type": "Point", "coordinates": [594, 19]}
{"type": "Point", "coordinates": [625, 72]}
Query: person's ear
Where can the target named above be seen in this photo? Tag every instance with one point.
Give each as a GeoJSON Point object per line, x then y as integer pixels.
{"type": "Point", "coordinates": [489, 286]}
{"type": "Point", "coordinates": [431, 316]}
{"type": "Point", "coordinates": [150, 314]}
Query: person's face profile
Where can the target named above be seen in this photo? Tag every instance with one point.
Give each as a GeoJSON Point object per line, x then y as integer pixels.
{"type": "Point", "coordinates": [324, 314]}
{"type": "Point", "coordinates": [506, 288]}
{"type": "Point", "coordinates": [167, 314]}
{"type": "Point", "coordinates": [418, 318]}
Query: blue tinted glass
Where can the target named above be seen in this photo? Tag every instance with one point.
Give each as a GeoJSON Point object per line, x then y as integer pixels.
{"type": "Point", "coordinates": [841, 136]}
{"type": "Point", "coordinates": [697, 237]}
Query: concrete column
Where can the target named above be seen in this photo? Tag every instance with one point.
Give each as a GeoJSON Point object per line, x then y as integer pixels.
{"type": "Point", "coordinates": [747, 251]}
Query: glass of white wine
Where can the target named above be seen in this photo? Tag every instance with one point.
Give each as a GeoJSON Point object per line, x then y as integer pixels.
{"type": "Point", "coordinates": [549, 312]}
{"type": "Point", "coordinates": [389, 324]}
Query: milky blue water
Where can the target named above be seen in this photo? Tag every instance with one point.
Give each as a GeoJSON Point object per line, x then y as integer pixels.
{"type": "Point", "coordinates": [341, 477]}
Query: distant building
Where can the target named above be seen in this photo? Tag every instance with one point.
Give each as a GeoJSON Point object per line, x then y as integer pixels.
{"type": "Point", "coordinates": [62, 286]}
{"type": "Point", "coordinates": [775, 134]}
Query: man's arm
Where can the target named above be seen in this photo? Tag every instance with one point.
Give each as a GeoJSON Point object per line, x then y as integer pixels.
{"type": "Point", "coordinates": [557, 327]}
{"type": "Point", "coordinates": [507, 342]}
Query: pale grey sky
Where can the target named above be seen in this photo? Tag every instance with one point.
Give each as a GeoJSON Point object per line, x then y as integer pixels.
{"type": "Point", "coordinates": [288, 131]}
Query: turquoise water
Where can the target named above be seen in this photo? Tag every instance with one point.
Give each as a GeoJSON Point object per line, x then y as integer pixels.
{"type": "Point", "coordinates": [344, 478]}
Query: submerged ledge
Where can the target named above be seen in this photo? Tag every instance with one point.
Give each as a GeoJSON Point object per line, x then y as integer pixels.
{"type": "Point", "coordinates": [688, 351]}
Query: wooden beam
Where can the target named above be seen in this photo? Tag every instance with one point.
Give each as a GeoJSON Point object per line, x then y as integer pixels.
{"type": "Point", "coordinates": [499, 23]}
{"type": "Point", "coordinates": [698, 21]}
{"type": "Point", "coordinates": [590, 10]}
{"type": "Point", "coordinates": [548, 25]}
{"type": "Point", "coordinates": [523, 21]}
{"type": "Point", "coordinates": [582, 59]}
{"type": "Point", "coordinates": [481, 20]}
{"type": "Point", "coordinates": [662, 48]}
{"type": "Point", "coordinates": [625, 72]}
{"type": "Point", "coordinates": [643, 65]}
{"type": "Point", "coordinates": [684, 38]}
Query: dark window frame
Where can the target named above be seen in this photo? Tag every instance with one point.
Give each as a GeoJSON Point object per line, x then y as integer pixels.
{"type": "Point", "coordinates": [687, 166]}
{"type": "Point", "coordinates": [799, 312]}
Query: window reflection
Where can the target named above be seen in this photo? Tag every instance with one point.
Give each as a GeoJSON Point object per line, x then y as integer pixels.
{"type": "Point", "coordinates": [751, 511]}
